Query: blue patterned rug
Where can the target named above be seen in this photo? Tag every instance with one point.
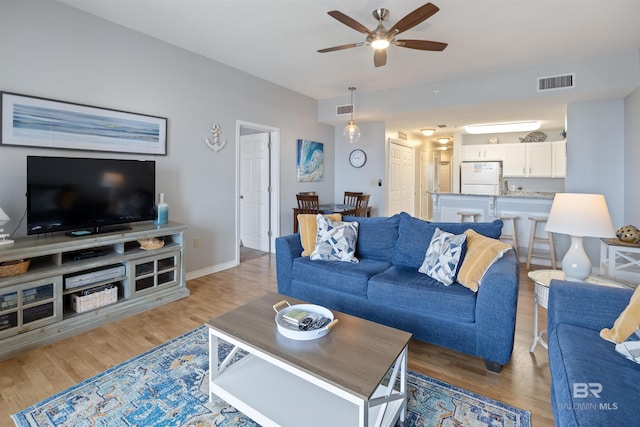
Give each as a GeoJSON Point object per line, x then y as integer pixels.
{"type": "Point", "coordinates": [168, 386]}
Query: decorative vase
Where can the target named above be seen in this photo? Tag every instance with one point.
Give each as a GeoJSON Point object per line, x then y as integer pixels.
{"type": "Point", "coordinates": [162, 211]}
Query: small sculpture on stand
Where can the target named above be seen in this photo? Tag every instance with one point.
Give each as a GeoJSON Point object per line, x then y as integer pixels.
{"type": "Point", "coordinates": [628, 234]}
{"type": "Point", "coordinates": [216, 145]}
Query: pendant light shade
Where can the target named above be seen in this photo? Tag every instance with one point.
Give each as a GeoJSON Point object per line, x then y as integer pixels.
{"type": "Point", "coordinates": [352, 131]}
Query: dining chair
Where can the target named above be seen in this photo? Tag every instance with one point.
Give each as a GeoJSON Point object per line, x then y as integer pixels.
{"type": "Point", "coordinates": [350, 197]}
{"type": "Point", "coordinates": [362, 203]}
{"type": "Point", "coordinates": [308, 204]}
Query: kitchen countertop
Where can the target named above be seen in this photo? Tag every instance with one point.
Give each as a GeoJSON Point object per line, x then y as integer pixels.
{"type": "Point", "coordinates": [514, 194]}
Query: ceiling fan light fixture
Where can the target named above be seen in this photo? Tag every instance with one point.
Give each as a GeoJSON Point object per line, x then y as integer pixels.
{"type": "Point", "coordinates": [503, 127]}
{"type": "Point", "coordinates": [352, 131]}
{"type": "Point", "coordinates": [428, 132]}
{"type": "Point", "coordinates": [380, 43]}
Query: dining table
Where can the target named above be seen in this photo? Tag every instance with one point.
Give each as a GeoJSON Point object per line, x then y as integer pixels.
{"type": "Point", "coordinates": [329, 208]}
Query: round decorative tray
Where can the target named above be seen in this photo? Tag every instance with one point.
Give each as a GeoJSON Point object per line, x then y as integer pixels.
{"type": "Point", "coordinates": [315, 312]}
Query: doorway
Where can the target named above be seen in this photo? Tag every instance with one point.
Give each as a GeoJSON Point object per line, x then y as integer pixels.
{"type": "Point", "coordinates": [257, 189]}
{"type": "Point", "coordinates": [401, 178]}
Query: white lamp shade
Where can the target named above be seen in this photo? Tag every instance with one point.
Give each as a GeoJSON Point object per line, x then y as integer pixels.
{"type": "Point", "coordinates": [4, 218]}
{"type": "Point", "coordinates": [580, 215]}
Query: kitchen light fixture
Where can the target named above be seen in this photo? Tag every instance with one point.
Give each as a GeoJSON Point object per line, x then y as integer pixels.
{"type": "Point", "coordinates": [579, 216]}
{"type": "Point", "coordinates": [351, 131]}
{"type": "Point", "coordinates": [443, 140]}
{"type": "Point", "coordinates": [503, 127]}
{"type": "Point", "coordinates": [4, 218]}
{"type": "Point", "coordinates": [428, 132]}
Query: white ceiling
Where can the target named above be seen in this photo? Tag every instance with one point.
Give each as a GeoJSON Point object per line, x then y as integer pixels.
{"type": "Point", "coordinates": [277, 41]}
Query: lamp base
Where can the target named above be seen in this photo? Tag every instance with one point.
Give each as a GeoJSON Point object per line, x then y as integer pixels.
{"type": "Point", "coordinates": [576, 265]}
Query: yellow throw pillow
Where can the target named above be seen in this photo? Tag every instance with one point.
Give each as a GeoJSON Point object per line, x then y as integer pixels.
{"type": "Point", "coordinates": [482, 252]}
{"type": "Point", "coordinates": [626, 323]}
{"type": "Point", "coordinates": [308, 229]}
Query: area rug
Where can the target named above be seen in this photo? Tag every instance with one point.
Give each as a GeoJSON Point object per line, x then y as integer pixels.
{"type": "Point", "coordinates": [168, 386]}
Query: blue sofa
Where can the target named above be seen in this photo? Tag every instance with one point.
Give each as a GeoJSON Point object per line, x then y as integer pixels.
{"type": "Point", "coordinates": [591, 384]}
{"type": "Point", "coordinates": [386, 287]}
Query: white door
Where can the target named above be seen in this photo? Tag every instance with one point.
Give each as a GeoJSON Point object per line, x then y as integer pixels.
{"type": "Point", "coordinates": [408, 180]}
{"type": "Point", "coordinates": [395, 181]}
{"type": "Point", "coordinates": [401, 176]}
{"type": "Point", "coordinates": [254, 191]}
{"type": "Point", "coordinates": [445, 177]}
{"type": "Point", "coordinates": [423, 197]}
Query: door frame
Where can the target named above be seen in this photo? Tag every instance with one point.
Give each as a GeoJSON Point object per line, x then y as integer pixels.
{"type": "Point", "coordinates": [274, 196]}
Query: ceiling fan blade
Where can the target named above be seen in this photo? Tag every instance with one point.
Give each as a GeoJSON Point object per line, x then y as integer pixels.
{"type": "Point", "coordinates": [380, 57]}
{"type": "Point", "coordinates": [341, 47]}
{"type": "Point", "coordinates": [349, 22]}
{"type": "Point", "coordinates": [421, 45]}
{"type": "Point", "coordinates": [414, 18]}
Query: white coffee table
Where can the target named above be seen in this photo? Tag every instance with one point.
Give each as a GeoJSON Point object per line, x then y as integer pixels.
{"type": "Point", "coordinates": [335, 380]}
{"type": "Point", "coordinates": [542, 279]}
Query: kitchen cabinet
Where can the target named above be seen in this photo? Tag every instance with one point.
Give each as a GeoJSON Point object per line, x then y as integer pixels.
{"type": "Point", "coordinates": [558, 159]}
{"type": "Point", "coordinates": [527, 160]}
{"type": "Point", "coordinates": [482, 152]}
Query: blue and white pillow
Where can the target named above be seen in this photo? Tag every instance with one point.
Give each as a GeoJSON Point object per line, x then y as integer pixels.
{"type": "Point", "coordinates": [443, 256]}
{"type": "Point", "coordinates": [335, 241]}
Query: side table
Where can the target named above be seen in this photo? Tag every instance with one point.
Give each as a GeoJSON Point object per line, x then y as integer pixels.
{"type": "Point", "coordinates": [620, 259]}
{"type": "Point", "coordinates": [542, 279]}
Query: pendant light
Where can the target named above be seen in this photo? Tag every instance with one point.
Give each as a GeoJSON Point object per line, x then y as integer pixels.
{"type": "Point", "coordinates": [351, 131]}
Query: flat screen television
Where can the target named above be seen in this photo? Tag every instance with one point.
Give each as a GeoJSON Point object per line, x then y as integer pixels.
{"type": "Point", "coordinates": [88, 195]}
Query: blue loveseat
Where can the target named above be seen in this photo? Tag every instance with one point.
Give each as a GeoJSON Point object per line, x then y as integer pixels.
{"type": "Point", "coordinates": [386, 287]}
{"type": "Point", "coordinates": [591, 384]}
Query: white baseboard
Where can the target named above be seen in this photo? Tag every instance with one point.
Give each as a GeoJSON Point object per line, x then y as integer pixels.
{"type": "Point", "coordinates": [210, 270]}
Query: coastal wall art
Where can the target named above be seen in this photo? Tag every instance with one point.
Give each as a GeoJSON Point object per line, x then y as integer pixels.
{"type": "Point", "coordinates": [39, 122]}
{"type": "Point", "coordinates": [310, 161]}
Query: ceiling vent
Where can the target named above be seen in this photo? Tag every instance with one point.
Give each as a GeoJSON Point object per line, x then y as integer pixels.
{"type": "Point", "coordinates": [565, 81]}
{"type": "Point", "coordinates": [342, 110]}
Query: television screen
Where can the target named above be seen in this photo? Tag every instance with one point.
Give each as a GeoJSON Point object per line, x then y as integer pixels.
{"type": "Point", "coordinates": [65, 193]}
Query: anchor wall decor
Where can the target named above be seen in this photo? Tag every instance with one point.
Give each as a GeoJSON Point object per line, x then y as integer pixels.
{"type": "Point", "coordinates": [216, 145]}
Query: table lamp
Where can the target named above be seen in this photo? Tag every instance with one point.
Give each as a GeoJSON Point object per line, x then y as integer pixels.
{"type": "Point", "coordinates": [4, 218]}
{"type": "Point", "coordinates": [579, 216]}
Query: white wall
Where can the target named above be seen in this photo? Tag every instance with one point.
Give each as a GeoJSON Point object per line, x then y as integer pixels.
{"type": "Point", "coordinates": [632, 159]}
{"type": "Point", "coordinates": [596, 149]}
{"type": "Point", "coordinates": [50, 50]}
{"type": "Point", "coordinates": [365, 179]}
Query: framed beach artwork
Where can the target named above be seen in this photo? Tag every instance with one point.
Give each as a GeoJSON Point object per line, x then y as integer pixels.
{"type": "Point", "coordinates": [310, 161]}
{"type": "Point", "coordinates": [39, 122]}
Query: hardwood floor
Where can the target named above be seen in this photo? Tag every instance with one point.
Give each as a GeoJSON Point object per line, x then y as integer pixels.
{"type": "Point", "coordinates": [36, 375]}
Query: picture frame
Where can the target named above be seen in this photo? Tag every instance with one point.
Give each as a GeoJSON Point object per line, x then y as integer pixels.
{"type": "Point", "coordinates": [310, 161]}
{"type": "Point", "coordinates": [29, 121]}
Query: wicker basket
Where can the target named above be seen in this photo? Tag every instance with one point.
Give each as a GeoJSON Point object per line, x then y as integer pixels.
{"type": "Point", "coordinates": [13, 268]}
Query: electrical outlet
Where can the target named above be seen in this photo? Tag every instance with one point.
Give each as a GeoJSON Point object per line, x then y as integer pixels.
{"type": "Point", "coordinates": [196, 243]}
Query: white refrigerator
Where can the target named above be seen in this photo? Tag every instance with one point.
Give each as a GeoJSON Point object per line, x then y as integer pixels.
{"type": "Point", "coordinates": [480, 177]}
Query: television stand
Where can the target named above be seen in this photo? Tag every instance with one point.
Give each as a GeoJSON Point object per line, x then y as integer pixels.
{"type": "Point", "coordinates": [98, 230]}
{"type": "Point", "coordinates": [74, 284]}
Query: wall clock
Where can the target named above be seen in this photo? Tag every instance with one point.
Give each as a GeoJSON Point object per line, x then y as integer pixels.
{"type": "Point", "coordinates": [357, 158]}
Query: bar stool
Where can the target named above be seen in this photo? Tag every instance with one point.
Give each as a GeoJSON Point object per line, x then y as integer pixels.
{"type": "Point", "coordinates": [513, 237]}
{"type": "Point", "coordinates": [473, 215]}
{"type": "Point", "coordinates": [535, 220]}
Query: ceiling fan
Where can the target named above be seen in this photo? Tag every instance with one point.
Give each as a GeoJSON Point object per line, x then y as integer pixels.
{"type": "Point", "coordinates": [381, 38]}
